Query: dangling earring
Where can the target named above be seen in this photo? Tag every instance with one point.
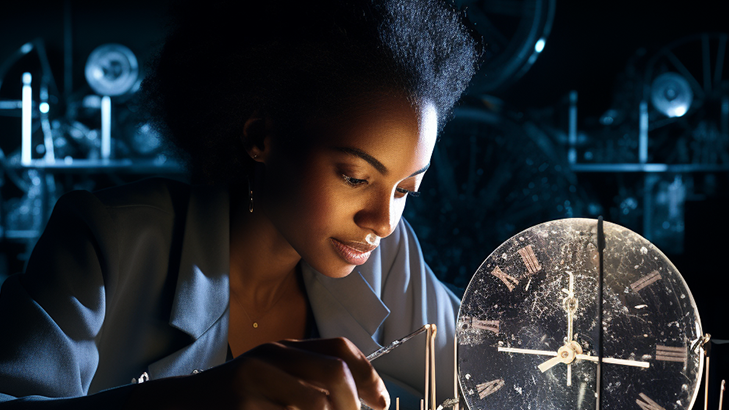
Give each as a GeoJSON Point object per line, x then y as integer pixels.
{"type": "Point", "coordinates": [250, 195]}
{"type": "Point", "coordinates": [250, 188]}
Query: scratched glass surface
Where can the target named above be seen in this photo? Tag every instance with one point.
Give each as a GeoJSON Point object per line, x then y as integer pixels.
{"type": "Point", "coordinates": [515, 315]}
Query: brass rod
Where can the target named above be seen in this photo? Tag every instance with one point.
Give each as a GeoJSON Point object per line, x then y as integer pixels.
{"type": "Point", "coordinates": [431, 341]}
{"type": "Point", "coordinates": [706, 385]}
{"type": "Point", "coordinates": [455, 374]}
{"type": "Point", "coordinates": [721, 394]}
{"type": "Point", "coordinates": [427, 368]}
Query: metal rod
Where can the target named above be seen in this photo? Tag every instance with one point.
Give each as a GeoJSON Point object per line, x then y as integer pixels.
{"type": "Point", "coordinates": [721, 49]}
{"type": "Point", "coordinates": [105, 127]}
{"type": "Point", "coordinates": [431, 341]}
{"type": "Point", "coordinates": [43, 109]}
{"type": "Point", "coordinates": [721, 394]}
{"type": "Point", "coordinates": [724, 121]}
{"type": "Point", "coordinates": [643, 133]}
{"type": "Point", "coordinates": [598, 374]}
{"type": "Point", "coordinates": [572, 154]}
{"type": "Point", "coordinates": [706, 385]}
{"type": "Point", "coordinates": [455, 374]}
{"type": "Point", "coordinates": [427, 369]}
{"type": "Point", "coordinates": [67, 51]}
{"type": "Point", "coordinates": [387, 349]}
{"type": "Point", "coordinates": [26, 120]}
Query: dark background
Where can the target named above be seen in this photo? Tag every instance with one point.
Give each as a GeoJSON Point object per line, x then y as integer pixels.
{"type": "Point", "coordinates": [588, 50]}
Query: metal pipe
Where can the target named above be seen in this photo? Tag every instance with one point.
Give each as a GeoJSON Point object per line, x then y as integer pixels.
{"type": "Point", "coordinates": [572, 153]}
{"type": "Point", "coordinates": [724, 122]}
{"type": "Point", "coordinates": [26, 120]}
{"type": "Point", "coordinates": [67, 51]}
{"type": "Point", "coordinates": [105, 127]}
{"type": "Point", "coordinates": [43, 109]}
{"type": "Point", "coordinates": [643, 133]}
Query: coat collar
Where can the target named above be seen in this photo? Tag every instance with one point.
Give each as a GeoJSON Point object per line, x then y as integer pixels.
{"type": "Point", "coordinates": [347, 307]}
{"type": "Point", "coordinates": [201, 297]}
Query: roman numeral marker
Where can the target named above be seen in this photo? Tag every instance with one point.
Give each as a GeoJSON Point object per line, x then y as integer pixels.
{"type": "Point", "coordinates": [645, 280]}
{"type": "Point", "coordinates": [509, 281]}
{"type": "Point", "coordinates": [490, 325]}
{"type": "Point", "coordinates": [488, 388]}
{"type": "Point", "coordinates": [671, 354]}
{"type": "Point", "coordinates": [647, 403]}
{"type": "Point", "coordinates": [530, 259]}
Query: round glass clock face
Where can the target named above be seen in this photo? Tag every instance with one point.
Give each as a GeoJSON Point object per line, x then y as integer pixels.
{"type": "Point", "coordinates": [528, 325]}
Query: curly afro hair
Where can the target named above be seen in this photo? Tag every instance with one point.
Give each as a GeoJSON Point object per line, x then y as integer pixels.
{"type": "Point", "coordinates": [225, 60]}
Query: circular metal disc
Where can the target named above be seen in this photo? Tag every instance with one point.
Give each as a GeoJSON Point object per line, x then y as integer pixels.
{"type": "Point", "coordinates": [671, 94]}
{"type": "Point", "coordinates": [514, 318]}
{"type": "Point", "coordinates": [111, 69]}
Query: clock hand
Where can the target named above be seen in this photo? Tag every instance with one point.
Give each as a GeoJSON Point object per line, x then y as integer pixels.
{"type": "Point", "coordinates": [550, 363]}
{"type": "Point", "coordinates": [610, 360]}
{"type": "Point", "coordinates": [566, 354]}
{"type": "Point", "coordinates": [527, 351]}
{"type": "Point", "coordinates": [569, 303]}
{"type": "Point", "coordinates": [624, 362]}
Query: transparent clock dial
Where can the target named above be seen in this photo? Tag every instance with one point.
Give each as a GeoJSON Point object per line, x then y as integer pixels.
{"type": "Point", "coordinates": [516, 312]}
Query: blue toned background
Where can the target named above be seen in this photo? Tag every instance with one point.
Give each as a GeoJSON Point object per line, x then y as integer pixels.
{"type": "Point", "coordinates": [552, 130]}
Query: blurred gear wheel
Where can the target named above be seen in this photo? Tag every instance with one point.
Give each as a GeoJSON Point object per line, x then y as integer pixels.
{"type": "Point", "coordinates": [112, 70]}
{"type": "Point", "coordinates": [490, 178]}
{"type": "Point", "coordinates": [515, 33]}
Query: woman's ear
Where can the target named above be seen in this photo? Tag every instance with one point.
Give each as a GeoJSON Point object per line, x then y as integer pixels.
{"type": "Point", "coordinates": [256, 136]}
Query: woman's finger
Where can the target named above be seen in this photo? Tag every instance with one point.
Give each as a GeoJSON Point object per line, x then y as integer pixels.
{"type": "Point", "coordinates": [255, 383]}
{"type": "Point", "coordinates": [369, 385]}
{"type": "Point", "coordinates": [286, 390]}
{"type": "Point", "coordinates": [328, 373]}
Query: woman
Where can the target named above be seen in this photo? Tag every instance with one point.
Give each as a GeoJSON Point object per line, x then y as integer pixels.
{"type": "Point", "coordinates": [305, 128]}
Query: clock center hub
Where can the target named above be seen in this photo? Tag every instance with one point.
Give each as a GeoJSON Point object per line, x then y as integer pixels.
{"type": "Point", "coordinates": [568, 352]}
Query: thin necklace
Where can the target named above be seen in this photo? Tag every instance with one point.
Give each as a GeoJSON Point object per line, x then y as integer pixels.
{"type": "Point", "coordinates": [255, 323]}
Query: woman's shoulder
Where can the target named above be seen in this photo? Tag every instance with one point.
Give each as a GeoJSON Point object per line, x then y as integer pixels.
{"type": "Point", "coordinates": [163, 194]}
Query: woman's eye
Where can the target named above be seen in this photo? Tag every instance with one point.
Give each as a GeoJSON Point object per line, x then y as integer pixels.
{"type": "Point", "coordinates": [412, 194]}
{"type": "Point", "coordinates": [353, 181]}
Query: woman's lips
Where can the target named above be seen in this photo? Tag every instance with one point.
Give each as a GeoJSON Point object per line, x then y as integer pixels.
{"type": "Point", "coordinates": [355, 253]}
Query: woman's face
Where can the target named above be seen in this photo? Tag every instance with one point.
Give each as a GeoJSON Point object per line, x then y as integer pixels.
{"type": "Point", "coordinates": [351, 179]}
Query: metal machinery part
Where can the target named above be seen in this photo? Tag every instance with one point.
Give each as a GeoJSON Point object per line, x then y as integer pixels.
{"type": "Point", "coordinates": [666, 137]}
{"type": "Point", "coordinates": [65, 136]}
{"type": "Point", "coordinates": [682, 129]}
{"type": "Point", "coordinates": [685, 96]}
{"type": "Point", "coordinates": [490, 177]}
{"type": "Point", "coordinates": [529, 334]}
{"type": "Point", "coordinates": [11, 108]}
{"type": "Point", "coordinates": [112, 70]}
{"type": "Point", "coordinates": [688, 129]}
{"type": "Point", "coordinates": [515, 32]}
{"type": "Point", "coordinates": [671, 94]}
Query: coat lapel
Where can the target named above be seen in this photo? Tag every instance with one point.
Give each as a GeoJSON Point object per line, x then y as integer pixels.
{"type": "Point", "coordinates": [200, 305]}
{"type": "Point", "coordinates": [346, 307]}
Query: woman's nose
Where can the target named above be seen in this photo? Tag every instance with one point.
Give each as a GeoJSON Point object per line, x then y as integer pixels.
{"type": "Point", "coordinates": [380, 215]}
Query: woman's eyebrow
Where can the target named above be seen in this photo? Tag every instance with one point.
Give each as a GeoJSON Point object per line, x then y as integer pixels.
{"type": "Point", "coordinates": [373, 161]}
{"type": "Point", "coordinates": [365, 156]}
{"type": "Point", "coordinates": [420, 171]}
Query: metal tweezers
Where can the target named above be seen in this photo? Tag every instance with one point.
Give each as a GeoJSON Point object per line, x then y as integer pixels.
{"type": "Point", "coordinates": [387, 349]}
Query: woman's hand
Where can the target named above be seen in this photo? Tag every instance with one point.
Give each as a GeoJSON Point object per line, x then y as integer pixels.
{"type": "Point", "coordinates": [303, 375]}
